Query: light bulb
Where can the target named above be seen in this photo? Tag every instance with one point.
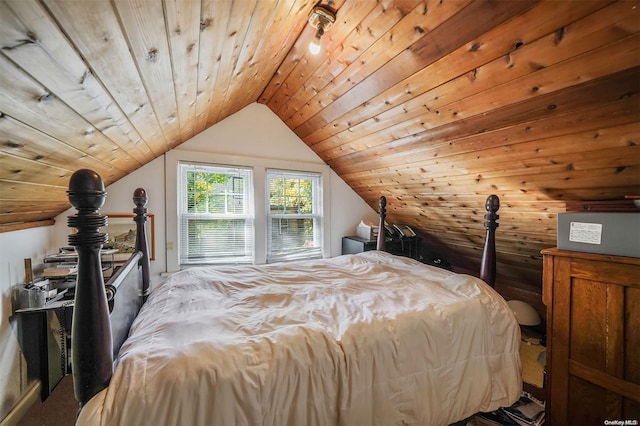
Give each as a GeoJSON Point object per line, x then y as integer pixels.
{"type": "Point", "coordinates": [314, 46]}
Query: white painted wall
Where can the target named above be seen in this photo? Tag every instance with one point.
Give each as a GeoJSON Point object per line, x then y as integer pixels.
{"type": "Point", "coordinates": [255, 131]}
{"type": "Point", "coordinates": [252, 132]}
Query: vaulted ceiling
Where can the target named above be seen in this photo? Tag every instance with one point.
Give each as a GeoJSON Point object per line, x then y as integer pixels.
{"type": "Point", "coordinates": [435, 104]}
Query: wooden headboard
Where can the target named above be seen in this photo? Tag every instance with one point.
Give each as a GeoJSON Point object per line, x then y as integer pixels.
{"type": "Point", "coordinates": [488, 262]}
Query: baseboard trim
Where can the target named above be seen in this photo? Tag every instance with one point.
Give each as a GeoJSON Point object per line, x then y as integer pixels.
{"type": "Point", "coordinates": [21, 408]}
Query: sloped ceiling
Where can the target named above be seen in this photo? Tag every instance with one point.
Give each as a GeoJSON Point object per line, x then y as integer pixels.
{"type": "Point", "coordinates": [435, 104]}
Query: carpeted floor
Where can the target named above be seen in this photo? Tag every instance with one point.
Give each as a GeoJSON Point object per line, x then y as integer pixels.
{"type": "Point", "coordinates": [58, 410]}
{"type": "Point", "coordinates": [532, 369]}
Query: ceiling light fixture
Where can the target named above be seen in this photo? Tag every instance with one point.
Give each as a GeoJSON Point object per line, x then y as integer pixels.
{"type": "Point", "coordinates": [321, 18]}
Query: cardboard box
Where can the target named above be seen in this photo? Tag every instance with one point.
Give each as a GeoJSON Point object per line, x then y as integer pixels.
{"type": "Point", "coordinates": [616, 234]}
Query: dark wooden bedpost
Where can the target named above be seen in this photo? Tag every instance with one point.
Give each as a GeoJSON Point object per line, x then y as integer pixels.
{"type": "Point", "coordinates": [140, 200]}
{"type": "Point", "coordinates": [488, 265]}
{"type": "Point", "coordinates": [382, 213]}
{"type": "Point", "coordinates": [91, 329]}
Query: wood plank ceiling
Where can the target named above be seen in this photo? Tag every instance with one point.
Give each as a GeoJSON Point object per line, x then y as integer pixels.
{"type": "Point", "coordinates": [435, 104]}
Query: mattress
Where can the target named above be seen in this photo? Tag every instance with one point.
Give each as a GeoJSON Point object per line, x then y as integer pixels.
{"type": "Point", "coordinates": [361, 339]}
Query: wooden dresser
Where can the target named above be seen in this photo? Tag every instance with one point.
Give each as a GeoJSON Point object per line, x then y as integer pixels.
{"type": "Point", "coordinates": [593, 337]}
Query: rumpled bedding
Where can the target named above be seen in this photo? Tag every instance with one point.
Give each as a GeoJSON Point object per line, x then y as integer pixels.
{"type": "Point", "coordinates": [365, 339]}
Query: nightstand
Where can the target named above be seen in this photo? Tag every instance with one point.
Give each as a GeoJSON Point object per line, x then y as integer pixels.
{"type": "Point", "coordinates": [354, 244]}
{"type": "Point", "coordinates": [46, 343]}
{"type": "Point", "coordinates": [406, 246]}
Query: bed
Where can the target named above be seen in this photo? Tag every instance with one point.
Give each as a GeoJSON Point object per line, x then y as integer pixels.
{"type": "Point", "coordinates": [363, 339]}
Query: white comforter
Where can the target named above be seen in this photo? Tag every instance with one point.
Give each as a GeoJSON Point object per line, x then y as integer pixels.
{"type": "Point", "coordinates": [354, 340]}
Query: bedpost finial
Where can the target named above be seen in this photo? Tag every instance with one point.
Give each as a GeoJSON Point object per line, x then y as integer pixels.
{"type": "Point", "coordinates": [382, 203]}
{"type": "Point", "coordinates": [140, 198]}
{"type": "Point", "coordinates": [86, 193]}
{"type": "Point", "coordinates": [86, 190]}
{"type": "Point", "coordinates": [492, 205]}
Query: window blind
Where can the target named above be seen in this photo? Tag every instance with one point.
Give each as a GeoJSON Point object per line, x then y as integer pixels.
{"type": "Point", "coordinates": [215, 214]}
{"type": "Point", "coordinates": [294, 215]}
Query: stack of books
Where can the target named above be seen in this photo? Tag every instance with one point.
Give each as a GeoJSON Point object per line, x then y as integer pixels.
{"type": "Point", "coordinates": [527, 411]}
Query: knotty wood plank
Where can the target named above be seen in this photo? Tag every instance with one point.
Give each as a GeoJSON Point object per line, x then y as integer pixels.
{"type": "Point", "coordinates": [22, 141]}
{"type": "Point", "coordinates": [613, 114]}
{"type": "Point", "coordinates": [469, 23]}
{"type": "Point", "coordinates": [95, 30]}
{"type": "Point", "coordinates": [287, 34]}
{"type": "Point", "coordinates": [16, 168]}
{"type": "Point", "coordinates": [17, 220]}
{"type": "Point", "coordinates": [376, 20]}
{"type": "Point", "coordinates": [385, 52]}
{"type": "Point", "coordinates": [504, 39]}
{"type": "Point", "coordinates": [513, 93]}
{"type": "Point", "coordinates": [257, 30]}
{"type": "Point", "coordinates": [17, 206]}
{"type": "Point", "coordinates": [213, 27]}
{"type": "Point", "coordinates": [538, 234]}
{"type": "Point", "coordinates": [619, 158]}
{"type": "Point", "coordinates": [599, 193]}
{"type": "Point", "coordinates": [237, 28]}
{"type": "Point", "coordinates": [510, 250]}
{"type": "Point", "coordinates": [313, 72]}
{"type": "Point", "coordinates": [542, 53]}
{"type": "Point", "coordinates": [509, 263]}
{"type": "Point", "coordinates": [614, 141]}
{"type": "Point", "coordinates": [143, 24]}
{"type": "Point", "coordinates": [565, 181]}
{"type": "Point", "coordinates": [183, 30]}
{"type": "Point", "coordinates": [35, 106]}
{"type": "Point", "coordinates": [296, 52]}
{"type": "Point", "coordinates": [15, 190]}
{"type": "Point", "coordinates": [52, 61]}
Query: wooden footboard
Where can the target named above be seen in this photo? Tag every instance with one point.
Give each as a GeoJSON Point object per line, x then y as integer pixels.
{"type": "Point", "coordinates": [102, 314]}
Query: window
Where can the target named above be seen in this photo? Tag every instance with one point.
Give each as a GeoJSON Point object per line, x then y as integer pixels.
{"type": "Point", "coordinates": [215, 214]}
{"type": "Point", "coordinates": [294, 215]}
{"type": "Point", "coordinates": [256, 197]}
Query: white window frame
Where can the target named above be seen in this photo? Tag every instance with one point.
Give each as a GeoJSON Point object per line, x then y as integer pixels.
{"type": "Point", "coordinates": [259, 166]}
{"type": "Point", "coordinates": [246, 215]}
{"type": "Point", "coordinates": [316, 215]}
